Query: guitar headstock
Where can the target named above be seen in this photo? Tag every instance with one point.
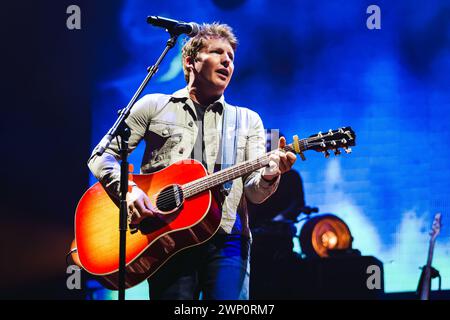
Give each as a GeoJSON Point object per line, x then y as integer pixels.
{"type": "Point", "coordinates": [323, 142]}
{"type": "Point", "coordinates": [436, 227]}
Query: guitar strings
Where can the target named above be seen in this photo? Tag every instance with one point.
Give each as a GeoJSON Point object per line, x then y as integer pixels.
{"type": "Point", "coordinates": [167, 199]}
{"type": "Point", "coordinates": [201, 184]}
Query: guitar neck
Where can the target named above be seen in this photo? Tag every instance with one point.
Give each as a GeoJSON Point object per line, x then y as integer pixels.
{"type": "Point", "coordinates": [332, 140]}
{"type": "Point", "coordinates": [239, 170]}
{"type": "Point", "coordinates": [426, 279]}
{"type": "Point", "coordinates": [430, 253]}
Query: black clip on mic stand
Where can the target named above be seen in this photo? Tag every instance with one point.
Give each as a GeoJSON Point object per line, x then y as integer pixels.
{"type": "Point", "coordinates": [121, 129]}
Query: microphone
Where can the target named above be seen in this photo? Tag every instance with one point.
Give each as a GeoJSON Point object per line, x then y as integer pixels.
{"type": "Point", "coordinates": [173, 26]}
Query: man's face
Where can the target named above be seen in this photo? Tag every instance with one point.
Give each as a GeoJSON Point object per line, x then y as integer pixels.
{"type": "Point", "coordinates": [213, 66]}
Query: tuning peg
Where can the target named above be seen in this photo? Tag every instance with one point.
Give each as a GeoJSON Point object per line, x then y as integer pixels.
{"type": "Point", "coordinates": [330, 132]}
{"type": "Point", "coordinates": [333, 143]}
{"type": "Point", "coordinates": [326, 154]}
{"type": "Point", "coordinates": [320, 135]}
{"type": "Point", "coordinates": [337, 152]}
{"type": "Point", "coordinates": [347, 150]}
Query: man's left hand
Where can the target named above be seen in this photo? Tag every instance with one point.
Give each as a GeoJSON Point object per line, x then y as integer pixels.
{"type": "Point", "coordinates": [280, 162]}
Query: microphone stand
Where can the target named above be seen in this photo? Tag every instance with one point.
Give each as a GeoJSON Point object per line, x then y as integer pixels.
{"type": "Point", "coordinates": [121, 129]}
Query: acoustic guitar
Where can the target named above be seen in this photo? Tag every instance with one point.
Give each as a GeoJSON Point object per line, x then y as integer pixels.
{"type": "Point", "coordinates": [187, 213]}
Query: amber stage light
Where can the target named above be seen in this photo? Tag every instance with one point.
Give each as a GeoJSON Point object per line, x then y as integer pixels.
{"type": "Point", "coordinates": [324, 235]}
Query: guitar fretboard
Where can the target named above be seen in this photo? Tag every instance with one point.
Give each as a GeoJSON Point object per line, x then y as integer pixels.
{"type": "Point", "coordinates": [239, 170]}
{"type": "Point", "coordinates": [342, 137]}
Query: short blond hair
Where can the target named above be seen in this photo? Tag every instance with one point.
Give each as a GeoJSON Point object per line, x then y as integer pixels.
{"type": "Point", "coordinates": [207, 31]}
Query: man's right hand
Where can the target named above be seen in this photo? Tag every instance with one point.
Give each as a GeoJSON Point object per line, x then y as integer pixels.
{"type": "Point", "coordinates": [139, 206]}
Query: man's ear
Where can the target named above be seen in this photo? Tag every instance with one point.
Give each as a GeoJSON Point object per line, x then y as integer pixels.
{"type": "Point", "coordinates": [189, 62]}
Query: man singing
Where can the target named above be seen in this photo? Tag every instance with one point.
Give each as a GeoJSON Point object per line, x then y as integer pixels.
{"type": "Point", "coordinates": [189, 124]}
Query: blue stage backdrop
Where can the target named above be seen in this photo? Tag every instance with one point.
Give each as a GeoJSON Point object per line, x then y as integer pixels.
{"type": "Point", "coordinates": [311, 65]}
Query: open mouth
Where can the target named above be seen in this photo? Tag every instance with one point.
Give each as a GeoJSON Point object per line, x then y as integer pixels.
{"type": "Point", "coordinates": [223, 72]}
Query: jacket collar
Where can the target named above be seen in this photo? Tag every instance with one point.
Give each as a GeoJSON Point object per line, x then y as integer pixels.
{"type": "Point", "coordinates": [183, 94]}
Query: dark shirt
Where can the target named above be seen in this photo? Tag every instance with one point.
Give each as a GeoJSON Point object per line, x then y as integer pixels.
{"type": "Point", "coordinates": [199, 142]}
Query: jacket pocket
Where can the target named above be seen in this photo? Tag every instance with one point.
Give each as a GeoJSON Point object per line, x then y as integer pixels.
{"type": "Point", "coordinates": [162, 138]}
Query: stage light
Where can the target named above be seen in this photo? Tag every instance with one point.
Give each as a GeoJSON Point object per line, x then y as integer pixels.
{"type": "Point", "coordinates": [325, 235]}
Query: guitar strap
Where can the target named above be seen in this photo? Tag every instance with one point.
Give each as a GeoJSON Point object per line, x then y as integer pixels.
{"type": "Point", "coordinates": [230, 130]}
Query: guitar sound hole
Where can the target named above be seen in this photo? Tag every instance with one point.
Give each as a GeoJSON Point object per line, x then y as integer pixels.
{"type": "Point", "coordinates": [170, 198]}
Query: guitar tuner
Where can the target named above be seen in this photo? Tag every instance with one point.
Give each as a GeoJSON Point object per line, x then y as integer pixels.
{"type": "Point", "coordinates": [333, 143]}
{"type": "Point", "coordinates": [341, 130]}
{"type": "Point", "coordinates": [344, 141]}
{"type": "Point", "coordinates": [337, 152]}
{"type": "Point", "coordinates": [330, 132]}
{"type": "Point", "coordinates": [347, 150]}
{"type": "Point", "coordinates": [320, 135]}
{"type": "Point", "coordinates": [326, 154]}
